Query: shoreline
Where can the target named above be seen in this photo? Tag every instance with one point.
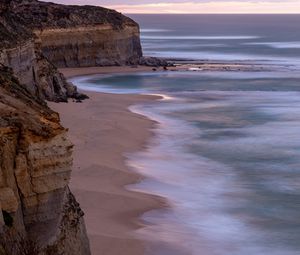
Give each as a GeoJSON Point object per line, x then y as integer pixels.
{"type": "Point", "coordinates": [234, 66]}
{"type": "Point", "coordinates": [103, 130]}
{"type": "Point", "coordinates": [104, 178]}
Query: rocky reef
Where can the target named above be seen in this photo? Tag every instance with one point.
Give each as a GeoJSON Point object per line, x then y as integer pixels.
{"type": "Point", "coordinates": [80, 36]}
{"type": "Point", "coordinates": [38, 213]}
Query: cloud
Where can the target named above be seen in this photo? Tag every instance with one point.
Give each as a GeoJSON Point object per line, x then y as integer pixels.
{"type": "Point", "coordinates": [143, 2]}
{"type": "Point", "coordinates": [213, 7]}
{"type": "Point", "coordinates": [196, 6]}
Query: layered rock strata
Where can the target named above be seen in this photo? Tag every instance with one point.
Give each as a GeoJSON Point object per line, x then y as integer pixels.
{"type": "Point", "coordinates": [21, 50]}
{"type": "Point", "coordinates": [38, 214]}
{"type": "Point", "coordinates": [80, 36]}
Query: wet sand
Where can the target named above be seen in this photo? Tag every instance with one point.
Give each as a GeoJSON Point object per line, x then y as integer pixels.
{"type": "Point", "coordinates": [103, 130]}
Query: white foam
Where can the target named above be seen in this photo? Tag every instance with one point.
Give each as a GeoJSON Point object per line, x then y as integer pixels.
{"type": "Point", "coordinates": [174, 37]}
{"type": "Point", "coordinates": [278, 45]}
{"type": "Point", "coordinates": [163, 96]}
{"type": "Point", "coordinates": [153, 30]}
{"type": "Point", "coordinates": [199, 188]}
{"type": "Point", "coordinates": [170, 170]}
{"type": "Point", "coordinates": [220, 56]}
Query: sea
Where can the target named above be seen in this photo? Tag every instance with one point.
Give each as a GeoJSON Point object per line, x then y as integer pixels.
{"type": "Point", "coordinates": [226, 149]}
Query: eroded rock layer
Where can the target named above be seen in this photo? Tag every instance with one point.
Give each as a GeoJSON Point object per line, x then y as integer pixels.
{"type": "Point", "coordinates": [38, 214]}
{"type": "Point", "coordinates": [21, 50]}
{"type": "Point", "coordinates": [76, 36]}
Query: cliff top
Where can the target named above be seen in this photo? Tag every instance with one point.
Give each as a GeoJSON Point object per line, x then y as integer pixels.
{"type": "Point", "coordinates": [19, 17]}
{"type": "Point", "coordinates": [39, 15]}
{"type": "Point", "coordinates": [11, 31]}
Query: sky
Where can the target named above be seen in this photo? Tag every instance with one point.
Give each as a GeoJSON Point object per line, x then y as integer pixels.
{"type": "Point", "coordinates": [193, 6]}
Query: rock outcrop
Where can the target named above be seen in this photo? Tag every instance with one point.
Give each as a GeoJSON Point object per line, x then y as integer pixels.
{"type": "Point", "coordinates": [80, 36]}
{"type": "Point", "coordinates": [154, 62]}
{"type": "Point", "coordinates": [37, 37]}
{"type": "Point", "coordinates": [38, 213]}
{"type": "Point", "coordinates": [21, 50]}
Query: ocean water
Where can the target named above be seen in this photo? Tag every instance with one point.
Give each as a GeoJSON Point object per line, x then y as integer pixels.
{"type": "Point", "coordinates": [226, 150]}
{"type": "Point", "coordinates": [266, 38]}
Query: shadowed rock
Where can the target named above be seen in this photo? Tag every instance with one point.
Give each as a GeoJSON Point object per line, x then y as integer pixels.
{"type": "Point", "coordinates": [37, 209]}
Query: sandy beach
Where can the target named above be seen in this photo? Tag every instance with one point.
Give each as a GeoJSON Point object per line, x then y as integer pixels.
{"type": "Point", "coordinates": [102, 130]}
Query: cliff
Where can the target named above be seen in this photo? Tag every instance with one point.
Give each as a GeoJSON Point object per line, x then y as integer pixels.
{"type": "Point", "coordinates": [38, 214]}
{"type": "Point", "coordinates": [77, 36]}
{"type": "Point", "coordinates": [20, 50]}
{"type": "Point", "coordinates": [37, 37]}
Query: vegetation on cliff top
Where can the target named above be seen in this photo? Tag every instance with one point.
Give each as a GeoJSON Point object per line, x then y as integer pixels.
{"type": "Point", "coordinates": [38, 15]}
{"type": "Point", "coordinates": [19, 17]}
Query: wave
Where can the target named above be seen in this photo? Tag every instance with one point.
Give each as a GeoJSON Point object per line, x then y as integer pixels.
{"type": "Point", "coordinates": [154, 46]}
{"type": "Point", "coordinates": [153, 30]}
{"type": "Point", "coordinates": [278, 45]}
{"type": "Point", "coordinates": [201, 55]}
{"type": "Point", "coordinates": [292, 62]}
{"type": "Point", "coordinates": [174, 37]}
{"type": "Point", "coordinates": [87, 83]}
{"type": "Point", "coordinates": [203, 191]}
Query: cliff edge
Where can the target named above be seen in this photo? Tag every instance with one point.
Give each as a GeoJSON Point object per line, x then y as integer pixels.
{"type": "Point", "coordinates": [38, 37]}
{"type": "Point", "coordinates": [20, 50]}
{"type": "Point", "coordinates": [38, 213]}
{"type": "Point", "coordinates": [81, 36]}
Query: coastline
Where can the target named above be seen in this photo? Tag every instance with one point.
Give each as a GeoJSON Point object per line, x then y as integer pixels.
{"type": "Point", "coordinates": [181, 67]}
{"type": "Point", "coordinates": [103, 129]}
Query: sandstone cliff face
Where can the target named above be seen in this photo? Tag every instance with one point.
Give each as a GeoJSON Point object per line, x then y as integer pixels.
{"type": "Point", "coordinates": [90, 46]}
{"type": "Point", "coordinates": [38, 214]}
{"type": "Point", "coordinates": [39, 75]}
{"type": "Point", "coordinates": [20, 50]}
{"type": "Point", "coordinates": [76, 36]}
{"type": "Point", "coordinates": [37, 37]}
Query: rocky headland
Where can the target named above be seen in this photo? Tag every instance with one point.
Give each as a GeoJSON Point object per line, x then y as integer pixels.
{"type": "Point", "coordinates": [80, 36]}
{"type": "Point", "coordinates": [21, 50]}
{"type": "Point", "coordinates": [38, 213]}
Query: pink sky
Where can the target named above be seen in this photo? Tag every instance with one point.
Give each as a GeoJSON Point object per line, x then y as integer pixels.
{"type": "Point", "coordinates": [195, 6]}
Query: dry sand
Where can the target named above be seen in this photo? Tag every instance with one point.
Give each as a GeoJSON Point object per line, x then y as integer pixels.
{"type": "Point", "coordinates": [102, 130]}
